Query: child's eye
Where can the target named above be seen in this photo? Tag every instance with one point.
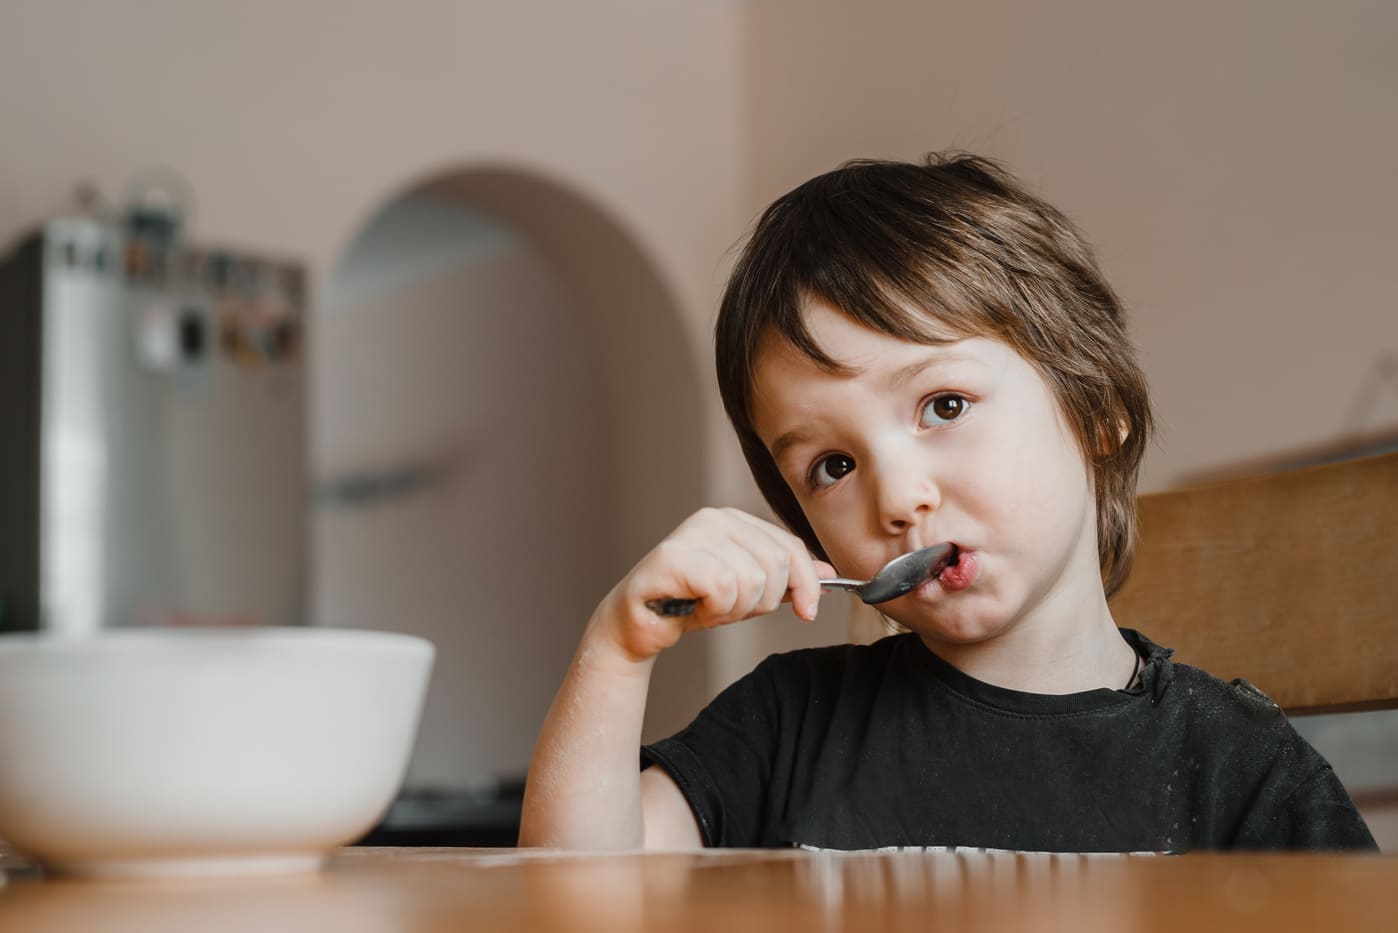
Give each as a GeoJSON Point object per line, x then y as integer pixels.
{"type": "Point", "coordinates": [828, 470]}
{"type": "Point", "coordinates": [942, 409]}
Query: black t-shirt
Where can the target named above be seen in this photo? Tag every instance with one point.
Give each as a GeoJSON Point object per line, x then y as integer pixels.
{"type": "Point", "coordinates": [871, 746]}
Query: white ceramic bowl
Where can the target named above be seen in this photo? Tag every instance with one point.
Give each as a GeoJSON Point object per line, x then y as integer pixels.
{"type": "Point", "coordinates": [196, 752]}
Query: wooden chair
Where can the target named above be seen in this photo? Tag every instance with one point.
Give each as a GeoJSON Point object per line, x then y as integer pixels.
{"type": "Point", "coordinates": [1289, 580]}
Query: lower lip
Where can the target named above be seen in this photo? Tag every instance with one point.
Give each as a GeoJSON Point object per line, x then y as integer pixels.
{"type": "Point", "coordinates": [960, 574]}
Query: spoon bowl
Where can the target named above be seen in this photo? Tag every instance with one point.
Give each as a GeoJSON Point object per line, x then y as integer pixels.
{"type": "Point", "coordinates": [904, 573]}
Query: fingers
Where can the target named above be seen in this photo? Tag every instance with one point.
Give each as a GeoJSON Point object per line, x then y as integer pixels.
{"type": "Point", "coordinates": [737, 566]}
{"type": "Point", "coordinates": [734, 565]}
{"type": "Point", "coordinates": [786, 564]}
{"type": "Point", "coordinates": [804, 572]}
{"type": "Point", "coordinates": [733, 583]}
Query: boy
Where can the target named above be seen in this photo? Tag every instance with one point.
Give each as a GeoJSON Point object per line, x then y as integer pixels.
{"type": "Point", "coordinates": [913, 354]}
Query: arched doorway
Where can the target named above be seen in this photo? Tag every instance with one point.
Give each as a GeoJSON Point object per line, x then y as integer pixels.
{"type": "Point", "coordinates": [505, 416]}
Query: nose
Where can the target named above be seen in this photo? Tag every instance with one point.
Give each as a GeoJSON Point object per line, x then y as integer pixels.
{"type": "Point", "coordinates": [905, 494]}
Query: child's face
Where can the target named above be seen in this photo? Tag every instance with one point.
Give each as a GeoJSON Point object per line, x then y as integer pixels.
{"type": "Point", "coordinates": [962, 442]}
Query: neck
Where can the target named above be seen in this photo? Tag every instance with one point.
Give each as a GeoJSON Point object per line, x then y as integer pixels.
{"type": "Point", "coordinates": [1053, 653]}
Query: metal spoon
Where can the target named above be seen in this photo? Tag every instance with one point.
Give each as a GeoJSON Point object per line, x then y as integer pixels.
{"type": "Point", "coordinates": [898, 576]}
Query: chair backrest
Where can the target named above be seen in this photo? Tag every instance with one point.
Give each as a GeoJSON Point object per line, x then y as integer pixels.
{"type": "Point", "coordinates": [1289, 580]}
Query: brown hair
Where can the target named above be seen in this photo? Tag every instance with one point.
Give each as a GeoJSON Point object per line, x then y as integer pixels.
{"type": "Point", "coordinates": [953, 247]}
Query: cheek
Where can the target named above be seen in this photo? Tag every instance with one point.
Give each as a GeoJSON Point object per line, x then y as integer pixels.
{"type": "Point", "coordinates": [1038, 478]}
{"type": "Point", "coordinates": [852, 555]}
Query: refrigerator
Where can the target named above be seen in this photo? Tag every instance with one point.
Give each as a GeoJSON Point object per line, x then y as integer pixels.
{"type": "Point", "coordinates": [153, 427]}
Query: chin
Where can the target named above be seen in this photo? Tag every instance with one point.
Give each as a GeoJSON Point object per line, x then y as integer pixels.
{"type": "Point", "coordinates": [951, 627]}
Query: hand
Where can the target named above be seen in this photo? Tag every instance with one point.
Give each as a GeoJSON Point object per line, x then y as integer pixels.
{"type": "Point", "coordinates": [736, 565]}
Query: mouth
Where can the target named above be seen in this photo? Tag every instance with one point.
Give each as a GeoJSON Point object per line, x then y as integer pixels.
{"type": "Point", "coordinates": [959, 571]}
{"type": "Point", "coordinates": [951, 560]}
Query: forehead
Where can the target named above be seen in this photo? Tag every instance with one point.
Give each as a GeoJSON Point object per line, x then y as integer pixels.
{"type": "Point", "coordinates": [832, 342]}
{"type": "Point", "coordinates": [860, 365]}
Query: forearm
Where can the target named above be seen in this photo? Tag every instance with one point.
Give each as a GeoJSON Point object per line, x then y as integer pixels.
{"type": "Point", "coordinates": [584, 786]}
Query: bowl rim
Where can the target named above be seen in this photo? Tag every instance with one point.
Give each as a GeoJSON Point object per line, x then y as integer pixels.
{"type": "Point", "coordinates": [176, 637]}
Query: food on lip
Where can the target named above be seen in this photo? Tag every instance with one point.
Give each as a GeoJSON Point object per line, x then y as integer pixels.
{"type": "Point", "coordinates": [961, 573]}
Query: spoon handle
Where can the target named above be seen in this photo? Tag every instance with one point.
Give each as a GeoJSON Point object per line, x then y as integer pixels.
{"type": "Point", "coordinates": [672, 606]}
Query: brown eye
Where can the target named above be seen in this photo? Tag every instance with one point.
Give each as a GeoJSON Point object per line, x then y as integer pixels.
{"type": "Point", "coordinates": [943, 409]}
{"type": "Point", "coordinates": [828, 470]}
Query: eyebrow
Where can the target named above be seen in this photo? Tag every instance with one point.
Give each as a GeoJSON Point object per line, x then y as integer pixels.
{"type": "Point", "coordinates": [784, 443]}
{"type": "Point", "coordinates": [906, 374]}
{"type": "Point", "coordinates": [898, 378]}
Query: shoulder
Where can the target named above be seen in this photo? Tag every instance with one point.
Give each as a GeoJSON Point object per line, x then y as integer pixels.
{"type": "Point", "coordinates": [1198, 688]}
{"type": "Point", "coordinates": [1184, 687]}
{"type": "Point", "coordinates": [1234, 713]}
{"type": "Point", "coordinates": [1253, 756]}
{"type": "Point", "coordinates": [1237, 726]}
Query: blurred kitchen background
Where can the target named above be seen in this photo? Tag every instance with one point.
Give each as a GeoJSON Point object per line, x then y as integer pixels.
{"type": "Point", "coordinates": [515, 219]}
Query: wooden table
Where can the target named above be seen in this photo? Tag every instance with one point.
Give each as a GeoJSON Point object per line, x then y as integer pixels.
{"type": "Point", "coordinates": [419, 890]}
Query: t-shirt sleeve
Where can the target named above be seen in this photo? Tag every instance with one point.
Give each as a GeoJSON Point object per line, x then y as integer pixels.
{"type": "Point", "coordinates": [722, 762]}
{"type": "Point", "coordinates": [1317, 814]}
{"type": "Point", "coordinates": [1296, 801]}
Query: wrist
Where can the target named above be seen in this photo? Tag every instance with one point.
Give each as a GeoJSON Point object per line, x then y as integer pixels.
{"type": "Point", "coordinates": [606, 648]}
